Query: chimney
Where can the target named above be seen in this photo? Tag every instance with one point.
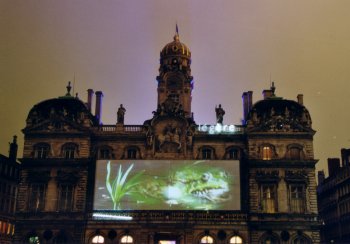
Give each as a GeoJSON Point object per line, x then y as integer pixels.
{"type": "Point", "coordinates": [300, 98]}
{"type": "Point", "coordinates": [89, 100]}
{"type": "Point", "coordinates": [345, 157]}
{"type": "Point", "coordinates": [320, 177]}
{"type": "Point", "coordinates": [247, 98]}
{"type": "Point", "coordinates": [98, 107]}
{"type": "Point", "coordinates": [13, 149]}
{"type": "Point", "coordinates": [333, 166]}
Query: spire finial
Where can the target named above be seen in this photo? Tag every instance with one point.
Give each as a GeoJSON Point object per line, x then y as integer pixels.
{"type": "Point", "coordinates": [68, 89]}
{"type": "Point", "coordinates": [273, 88]}
{"type": "Point", "coordinates": [176, 37]}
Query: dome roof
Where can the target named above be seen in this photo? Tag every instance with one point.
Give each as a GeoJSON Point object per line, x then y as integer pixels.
{"type": "Point", "coordinates": [175, 48]}
{"type": "Point", "coordinates": [277, 114]}
{"type": "Point", "coordinates": [67, 107]}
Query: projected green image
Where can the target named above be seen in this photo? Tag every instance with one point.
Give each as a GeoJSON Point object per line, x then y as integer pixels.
{"type": "Point", "coordinates": [176, 185]}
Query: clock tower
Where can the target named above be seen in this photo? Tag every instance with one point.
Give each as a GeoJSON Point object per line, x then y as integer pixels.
{"type": "Point", "coordinates": [175, 82]}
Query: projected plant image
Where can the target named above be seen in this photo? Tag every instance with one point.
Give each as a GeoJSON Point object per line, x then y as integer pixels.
{"type": "Point", "coordinates": [121, 186]}
{"type": "Point", "coordinates": [183, 186]}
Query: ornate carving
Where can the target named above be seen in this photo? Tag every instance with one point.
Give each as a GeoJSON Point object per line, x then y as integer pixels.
{"type": "Point", "coordinates": [267, 176]}
{"type": "Point", "coordinates": [296, 176]}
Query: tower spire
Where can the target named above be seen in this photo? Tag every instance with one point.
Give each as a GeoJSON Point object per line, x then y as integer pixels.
{"type": "Point", "coordinates": [176, 37]}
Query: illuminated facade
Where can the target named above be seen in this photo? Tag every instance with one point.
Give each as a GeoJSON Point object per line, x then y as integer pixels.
{"type": "Point", "coordinates": [170, 180]}
{"type": "Point", "coordinates": [334, 200]}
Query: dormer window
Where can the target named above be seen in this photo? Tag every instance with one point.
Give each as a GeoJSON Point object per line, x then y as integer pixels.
{"type": "Point", "coordinates": [41, 151]}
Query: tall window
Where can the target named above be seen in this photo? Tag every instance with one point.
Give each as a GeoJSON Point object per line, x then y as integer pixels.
{"type": "Point", "coordinates": [69, 151]}
{"type": "Point", "coordinates": [207, 153]}
{"type": "Point", "coordinates": [295, 153]}
{"type": "Point", "coordinates": [268, 198]}
{"type": "Point", "coordinates": [41, 151]}
{"type": "Point", "coordinates": [98, 239]}
{"type": "Point", "coordinates": [131, 153]}
{"type": "Point", "coordinates": [236, 240]}
{"type": "Point", "coordinates": [267, 153]}
{"type": "Point", "coordinates": [127, 239]}
{"type": "Point", "coordinates": [233, 153]}
{"type": "Point", "coordinates": [65, 197]}
{"type": "Point", "coordinates": [207, 239]}
{"type": "Point", "coordinates": [105, 153]}
{"type": "Point", "coordinates": [37, 197]}
{"type": "Point", "coordinates": [297, 198]}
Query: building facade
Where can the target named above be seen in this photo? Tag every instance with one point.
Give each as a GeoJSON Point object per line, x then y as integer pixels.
{"type": "Point", "coordinates": [334, 200]}
{"type": "Point", "coordinates": [9, 178]}
{"type": "Point", "coordinates": [169, 180]}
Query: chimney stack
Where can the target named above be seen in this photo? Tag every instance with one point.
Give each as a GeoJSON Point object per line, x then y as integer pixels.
{"type": "Point", "coordinates": [247, 98]}
{"type": "Point", "coordinates": [333, 166]}
{"type": "Point", "coordinates": [345, 157]}
{"type": "Point", "coordinates": [13, 149]}
{"type": "Point", "coordinates": [98, 108]}
{"type": "Point", "coordinates": [300, 98]}
{"type": "Point", "coordinates": [321, 177]}
{"type": "Point", "coordinates": [89, 100]}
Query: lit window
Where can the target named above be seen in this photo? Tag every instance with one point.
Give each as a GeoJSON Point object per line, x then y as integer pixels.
{"type": "Point", "coordinates": [267, 153]}
{"type": "Point", "coordinates": [98, 239]}
{"type": "Point", "coordinates": [207, 239]}
{"type": "Point", "coordinates": [127, 239]}
{"type": "Point", "coordinates": [41, 151]}
{"type": "Point", "coordinates": [167, 242]}
{"type": "Point", "coordinates": [268, 198]}
{"type": "Point", "coordinates": [236, 240]}
{"type": "Point", "coordinates": [297, 199]}
{"type": "Point", "coordinates": [207, 153]}
{"type": "Point", "coordinates": [65, 197]}
{"type": "Point", "coordinates": [37, 197]}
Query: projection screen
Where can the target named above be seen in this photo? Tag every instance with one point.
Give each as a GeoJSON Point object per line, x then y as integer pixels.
{"type": "Point", "coordinates": [167, 185]}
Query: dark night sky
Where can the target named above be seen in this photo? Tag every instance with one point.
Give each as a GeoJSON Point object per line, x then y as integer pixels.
{"type": "Point", "coordinates": [236, 46]}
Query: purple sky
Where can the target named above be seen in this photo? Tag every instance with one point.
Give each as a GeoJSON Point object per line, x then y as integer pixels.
{"type": "Point", "coordinates": [236, 46]}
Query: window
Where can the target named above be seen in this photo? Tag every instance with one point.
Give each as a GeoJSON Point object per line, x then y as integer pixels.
{"type": "Point", "coordinates": [98, 239]}
{"type": "Point", "coordinates": [41, 151]}
{"type": "Point", "coordinates": [105, 153]}
{"type": "Point", "coordinates": [65, 197]}
{"type": "Point", "coordinates": [131, 153]}
{"type": "Point", "coordinates": [127, 239]}
{"type": "Point", "coordinates": [269, 240]}
{"type": "Point", "coordinates": [236, 240]}
{"type": "Point", "coordinates": [69, 151]}
{"type": "Point", "coordinates": [267, 153]}
{"type": "Point", "coordinates": [297, 199]}
{"type": "Point", "coordinates": [37, 197]}
{"type": "Point", "coordinates": [268, 198]}
{"type": "Point", "coordinates": [207, 239]}
{"type": "Point", "coordinates": [207, 153]}
{"type": "Point", "coordinates": [300, 240]}
{"type": "Point", "coordinates": [232, 153]}
{"type": "Point", "coordinates": [294, 153]}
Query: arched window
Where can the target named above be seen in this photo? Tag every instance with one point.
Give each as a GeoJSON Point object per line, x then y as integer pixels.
{"type": "Point", "coordinates": [267, 153]}
{"type": "Point", "coordinates": [207, 153]}
{"type": "Point", "coordinates": [207, 239]}
{"type": "Point", "coordinates": [41, 150]}
{"type": "Point", "coordinates": [300, 240]}
{"type": "Point", "coordinates": [232, 153]}
{"type": "Point", "coordinates": [127, 239]}
{"type": "Point", "coordinates": [98, 239]}
{"type": "Point", "coordinates": [236, 240]}
{"type": "Point", "coordinates": [269, 239]}
{"type": "Point", "coordinates": [132, 152]}
{"type": "Point", "coordinates": [70, 150]}
{"type": "Point", "coordinates": [105, 152]}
